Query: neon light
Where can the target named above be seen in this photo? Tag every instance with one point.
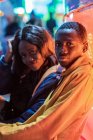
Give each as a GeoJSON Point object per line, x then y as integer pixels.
{"type": "Point", "coordinates": [28, 6]}
{"type": "Point", "coordinates": [19, 10]}
{"type": "Point", "coordinates": [71, 16]}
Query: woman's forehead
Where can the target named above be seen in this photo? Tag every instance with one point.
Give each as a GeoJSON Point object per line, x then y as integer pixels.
{"type": "Point", "coordinates": [24, 45]}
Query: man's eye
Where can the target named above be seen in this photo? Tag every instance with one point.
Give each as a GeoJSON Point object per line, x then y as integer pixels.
{"type": "Point", "coordinates": [69, 44]}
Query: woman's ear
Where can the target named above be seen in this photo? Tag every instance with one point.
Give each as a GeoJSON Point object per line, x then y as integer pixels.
{"type": "Point", "coordinates": [85, 48]}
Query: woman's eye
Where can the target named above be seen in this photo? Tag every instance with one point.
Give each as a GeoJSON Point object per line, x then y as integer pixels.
{"type": "Point", "coordinates": [23, 55]}
{"type": "Point", "coordinates": [58, 44]}
{"type": "Point", "coordinates": [32, 54]}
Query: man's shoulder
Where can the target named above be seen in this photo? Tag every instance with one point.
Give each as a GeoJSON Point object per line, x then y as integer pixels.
{"type": "Point", "coordinates": [49, 73]}
{"type": "Point", "coordinates": [85, 71]}
{"type": "Point", "coordinates": [53, 69]}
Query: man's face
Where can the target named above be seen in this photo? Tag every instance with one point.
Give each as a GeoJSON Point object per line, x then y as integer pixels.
{"type": "Point", "coordinates": [68, 46]}
{"type": "Point", "coordinates": [30, 55]}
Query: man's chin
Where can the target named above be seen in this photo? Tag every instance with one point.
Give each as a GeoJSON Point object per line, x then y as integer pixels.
{"type": "Point", "coordinates": [63, 64]}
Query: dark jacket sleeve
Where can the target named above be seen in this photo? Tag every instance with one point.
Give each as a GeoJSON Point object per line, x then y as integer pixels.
{"type": "Point", "coordinates": [28, 113]}
{"type": "Point", "coordinates": [5, 76]}
{"type": "Point", "coordinates": [48, 85]}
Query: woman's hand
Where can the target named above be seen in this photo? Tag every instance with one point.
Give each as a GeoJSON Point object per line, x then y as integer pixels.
{"type": "Point", "coordinates": [8, 55]}
{"type": "Point", "coordinates": [2, 102]}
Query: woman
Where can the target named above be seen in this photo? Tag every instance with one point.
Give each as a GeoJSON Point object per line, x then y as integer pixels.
{"type": "Point", "coordinates": [33, 54]}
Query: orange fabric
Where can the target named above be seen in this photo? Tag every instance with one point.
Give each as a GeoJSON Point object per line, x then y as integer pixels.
{"type": "Point", "coordinates": [63, 115]}
{"type": "Point", "coordinates": [87, 133]}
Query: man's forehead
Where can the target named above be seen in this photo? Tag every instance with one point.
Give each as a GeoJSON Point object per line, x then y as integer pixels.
{"type": "Point", "coordinates": [66, 30]}
{"type": "Point", "coordinates": [68, 33]}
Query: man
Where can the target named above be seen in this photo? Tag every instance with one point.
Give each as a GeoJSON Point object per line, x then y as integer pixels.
{"type": "Point", "coordinates": [63, 114]}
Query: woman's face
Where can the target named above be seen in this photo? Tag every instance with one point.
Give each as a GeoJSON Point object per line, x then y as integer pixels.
{"type": "Point", "coordinates": [30, 55]}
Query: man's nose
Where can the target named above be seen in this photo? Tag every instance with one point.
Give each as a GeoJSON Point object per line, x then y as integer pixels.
{"type": "Point", "coordinates": [64, 48]}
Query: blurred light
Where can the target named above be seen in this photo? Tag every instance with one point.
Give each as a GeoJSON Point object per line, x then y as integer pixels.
{"type": "Point", "coordinates": [28, 6]}
{"type": "Point", "coordinates": [90, 45]}
{"type": "Point", "coordinates": [71, 16]}
{"type": "Point", "coordinates": [1, 13]}
{"type": "Point", "coordinates": [45, 2]}
{"type": "Point", "coordinates": [25, 18]}
{"type": "Point", "coordinates": [19, 11]}
{"type": "Point", "coordinates": [6, 7]}
{"type": "Point", "coordinates": [41, 9]}
{"type": "Point", "coordinates": [1, 0]}
{"type": "Point", "coordinates": [60, 8]}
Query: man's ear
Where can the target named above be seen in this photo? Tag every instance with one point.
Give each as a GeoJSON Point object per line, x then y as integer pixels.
{"type": "Point", "coordinates": [85, 48]}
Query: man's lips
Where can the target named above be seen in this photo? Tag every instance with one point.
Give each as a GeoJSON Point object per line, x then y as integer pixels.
{"type": "Point", "coordinates": [63, 57]}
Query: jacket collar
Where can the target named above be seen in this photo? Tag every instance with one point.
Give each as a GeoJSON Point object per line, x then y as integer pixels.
{"type": "Point", "coordinates": [81, 61]}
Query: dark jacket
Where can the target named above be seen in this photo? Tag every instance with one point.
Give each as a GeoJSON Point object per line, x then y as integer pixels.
{"type": "Point", "coordinates": [21, 90]}
{"type": "Point", "coordinates": [48, 85]}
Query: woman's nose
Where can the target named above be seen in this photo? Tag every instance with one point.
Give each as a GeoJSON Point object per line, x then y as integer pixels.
{"type": "Point", "coordinates": [29, 59]}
